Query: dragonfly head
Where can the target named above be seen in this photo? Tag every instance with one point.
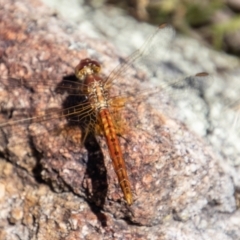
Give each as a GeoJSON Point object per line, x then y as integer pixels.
{"type": "Point", "coordinates": [87, 67]}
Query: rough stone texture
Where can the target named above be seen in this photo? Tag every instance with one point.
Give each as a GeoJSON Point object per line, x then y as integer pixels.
{"type": "Point", "coordinates": [185, 182]}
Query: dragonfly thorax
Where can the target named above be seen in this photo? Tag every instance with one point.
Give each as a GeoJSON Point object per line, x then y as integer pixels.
{"type": "Point", "coordinates": [97, 95]}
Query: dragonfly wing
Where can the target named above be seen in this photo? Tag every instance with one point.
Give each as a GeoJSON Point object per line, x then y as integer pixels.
{"type": "Point", "coordinates": [159, 39]}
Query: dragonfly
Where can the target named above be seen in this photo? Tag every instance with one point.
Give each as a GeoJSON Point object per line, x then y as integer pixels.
{"type": "Point", "coordinates": [99, 111]}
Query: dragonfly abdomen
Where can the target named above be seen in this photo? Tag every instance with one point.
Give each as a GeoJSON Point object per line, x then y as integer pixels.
{"type": "Point", "coordinates": [116, 153]}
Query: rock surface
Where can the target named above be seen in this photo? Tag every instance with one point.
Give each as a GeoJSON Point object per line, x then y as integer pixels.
{"type": "Point", "coordinates": [185, 182]}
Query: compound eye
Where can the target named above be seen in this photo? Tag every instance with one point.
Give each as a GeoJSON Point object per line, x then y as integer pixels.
{"type": "Point", "coordinates": [87, 67]}
{"type": "Point", "coordinates": [96, 68]}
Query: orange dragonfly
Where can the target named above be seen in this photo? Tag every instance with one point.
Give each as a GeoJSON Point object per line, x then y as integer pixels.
{"type": "Point", "coordinates": [99, 110]}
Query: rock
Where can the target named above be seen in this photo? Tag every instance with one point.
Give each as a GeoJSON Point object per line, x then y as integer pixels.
{"type": "Point", "coordinates": [177, 151]}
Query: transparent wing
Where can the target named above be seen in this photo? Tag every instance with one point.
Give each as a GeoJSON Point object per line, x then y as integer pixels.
{"type": "Point", "coordinates": [159, 39]}
{"type": "Point", "coordinates": [68, 84]}
{"type": "Point", "coordinates": [20, 105]}
{"type": "Point", "coordinates": [175, 90]}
